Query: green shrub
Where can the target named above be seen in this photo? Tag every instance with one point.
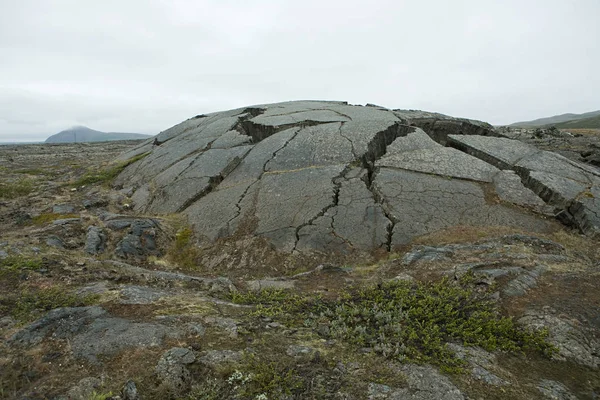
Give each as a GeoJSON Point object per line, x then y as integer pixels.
{"type": "Point", "coordinates": [405, 321]}
{"type": "Point", "coordinates": [413, 322]}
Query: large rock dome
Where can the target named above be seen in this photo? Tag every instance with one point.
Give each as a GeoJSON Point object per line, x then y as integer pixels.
{"type": "Point", "coordinates": [334, 177]}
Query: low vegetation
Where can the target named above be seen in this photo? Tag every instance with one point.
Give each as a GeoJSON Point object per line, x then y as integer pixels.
{"type": "Point", "coordinates": [46, 218]}
{"type": "Point", "coordinates": [405, 321]}
{"type": "Point", "coordinates": [19, 188]}
{"type": "Point", "coordinates": [183, 252]}
{"type": "Point", "coordinates": [108, 174]}
{"type": "Point", "coordinates": [29, 303]}
{"type": "Point", "coordinates": [16, 265]}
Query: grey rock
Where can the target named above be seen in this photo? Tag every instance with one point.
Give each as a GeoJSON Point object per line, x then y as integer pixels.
{"type": "Point", "coordinates": [95, 241]}
{"type": "Point", "coordinates": [92, 332]}
{"type": "Point", "coordinates": [427, 253]}
{"type": "Point", "coordinates": [129, 391]}
{"type": "Point", "coordinates": [509, 188]}
{"type": "Point", "coordinates": [424, 383]}
{"type": "Point", "coordinates": [574, 342]}
{"type": "Point", "coordinates": [553, 390]}
{"type": "Point", "coordinates": [526, 280]}
{"type": "Point", "coordinates": [140, 241]}
{"type": "Point", "coordinates": [269, 284]}
{"type": "Point", "coordinates": [66, 221]}
{"type": "Point", "coordinates": [7, 322]}
{"type": "Point", "coordinates": [140, 295]}
{"type": "Point", "coordinates": [304, 175]}
{"type": "Point", "coordinates": [171, 368]}
{"type": "Point", "coordinates": [55, 241]}
{"type": "Point", "coordinates": [84, 388]}
{"type": "Point", "coordinates": [560, 182]}
{"type": "Point", "coordinates": [3, 254]}
{"type": "Point", "coordinates": [96, 288]}
{"type": "Point", "coordinates": [94, 203]}
{"type": "Point", "coordinates": [214, 358]}
{"type": "Point", "coordinates": [63, 209]}
{"type": "Point", "coordinates": [229, 325]}
{"type": "Point", "coordinates": [481, 362]}
{"type": "Point", "coordinates": [298, 351]}
{"type": "Point", "coordinates": [421, 204]}
{"type": "Point", "coordinates": [196, 329]}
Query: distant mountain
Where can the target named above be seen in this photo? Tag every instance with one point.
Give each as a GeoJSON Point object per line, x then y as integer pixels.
{"type": "Point", "coordinates": [81, 134]}
{"type": "Point", "coordinates": [557, 119]}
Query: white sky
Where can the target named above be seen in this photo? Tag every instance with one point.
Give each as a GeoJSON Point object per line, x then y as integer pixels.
{"type": "Point", "coordinates": [145, 65]}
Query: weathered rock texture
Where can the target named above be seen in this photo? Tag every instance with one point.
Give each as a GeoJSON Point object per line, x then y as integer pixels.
{"type": "Point", "coordinates": [330, 176]}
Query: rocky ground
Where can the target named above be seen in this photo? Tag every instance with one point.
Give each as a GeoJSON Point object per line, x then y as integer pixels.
{"type": "Point", "coordinates": [100, 301]}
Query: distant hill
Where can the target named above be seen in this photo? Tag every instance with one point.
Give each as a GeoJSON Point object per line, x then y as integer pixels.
{"type": "Point", "coordinates": [81, 134]}
{"type": "Point", "coordinates": [587, 123]}
{"type": "Point", "coordinates": [559, 119]}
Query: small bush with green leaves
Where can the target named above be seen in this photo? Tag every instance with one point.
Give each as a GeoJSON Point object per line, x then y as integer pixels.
{"type": "Point", "coordinates": [407, 321]}
{"type": "Point", "coordinates": [108, 174]}
{"type": "Point", "coordinates": [277, 303]}
{"type": "Point", "coordinates": [12, 190]}
{"type": "Point", "coordinates": [413, 322]}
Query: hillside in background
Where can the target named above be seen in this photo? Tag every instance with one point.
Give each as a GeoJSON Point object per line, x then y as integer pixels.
{"type": "Point", "coordinates": [81, 134]}
{"type": "Point", "coordinates": [587, 123]}
{"type": "Point", "coordinates": [585, 118]}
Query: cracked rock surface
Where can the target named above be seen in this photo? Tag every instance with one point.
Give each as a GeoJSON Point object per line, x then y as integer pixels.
{"type": "Point", "coordinates": [333, 177]}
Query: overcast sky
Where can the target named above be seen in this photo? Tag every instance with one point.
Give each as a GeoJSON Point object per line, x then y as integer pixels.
{"type": "Point", "coordinates": [145, 65]}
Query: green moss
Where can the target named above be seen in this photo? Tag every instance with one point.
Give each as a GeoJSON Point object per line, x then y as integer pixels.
{"type": "Point", "coordinates": [106, 175]}
{"type": "Point", "coordinates": [12, 190]}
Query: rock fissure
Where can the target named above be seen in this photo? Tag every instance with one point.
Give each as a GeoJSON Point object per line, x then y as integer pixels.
{"type": "Point", "coordinates": [337, 184]}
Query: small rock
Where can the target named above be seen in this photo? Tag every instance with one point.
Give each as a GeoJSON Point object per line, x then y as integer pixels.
{"type": "Point", "coordinates": [65, 221]}
{"type": "Point", "coordinates": [7, 322]}
{"type": "Point", "coordinates": [196, 329]}
{"type": "Point", "coordinates": [84, 389]}
{"type": "Point", "coordinates": [171, 368]}
{"type": "Point", "coordinates": [55, 241]}
{"type": "Point", "coordinates": [94, 203]}
{"type": "Point", "coordinates": [298, 350]}
{"type": "Point", "coordinates": [63, 209]}
{"type": "Point", "coordinates": [95, 241]}
{"type": "Point", "coordinates": [3, 254]}
{"type": "Point", "coordinates": [269, 284]}
{"type": "Point", "coordinates": [129, 391]}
